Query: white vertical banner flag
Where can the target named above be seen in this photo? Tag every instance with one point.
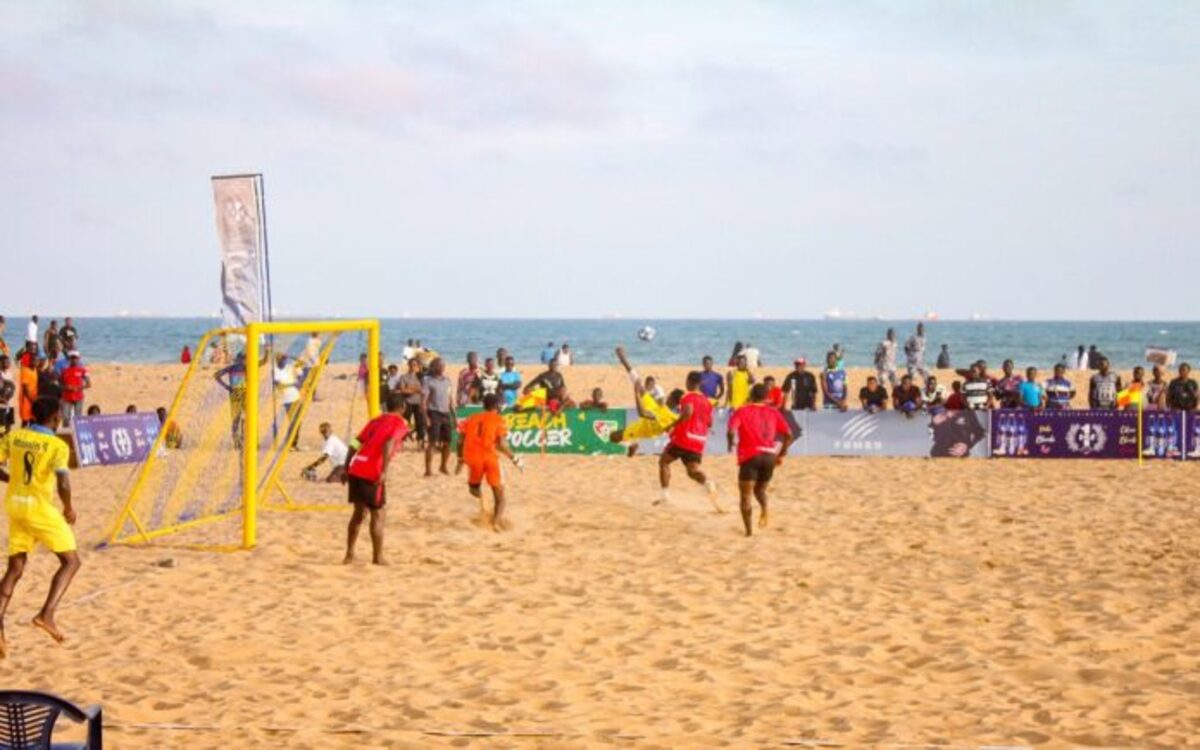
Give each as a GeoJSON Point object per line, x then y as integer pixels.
{"type": "Point", "coordinates": [240, 231]}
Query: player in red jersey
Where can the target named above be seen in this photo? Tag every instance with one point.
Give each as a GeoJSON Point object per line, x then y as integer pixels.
{"type": "Point", "coordinates": [687, 439]}
{"type": "Point", "coordinates": [367, 464]}
{"type": "Point", "coordinates": [758, 427]}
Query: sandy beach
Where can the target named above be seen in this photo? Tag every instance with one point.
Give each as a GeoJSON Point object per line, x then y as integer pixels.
{"type": "Point", "coordinates": [891, 602]}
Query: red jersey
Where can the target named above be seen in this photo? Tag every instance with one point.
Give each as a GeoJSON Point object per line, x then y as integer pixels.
{"type": "Point", "coordinates": [775, 397]}
{"type": "Point", "coordinates": [72, 383]}
{"type": "Point", "coordinates": [368, 458]}
{"type": "Point", "coordinates": [691, 434]}
{"type": "Point", "coordinates": [757, 427]}
{"type": "Point", "coordinates": [955, 402]}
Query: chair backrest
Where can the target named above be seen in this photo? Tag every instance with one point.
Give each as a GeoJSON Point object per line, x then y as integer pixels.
{"type": "Point", "coordinates": [27, 718]}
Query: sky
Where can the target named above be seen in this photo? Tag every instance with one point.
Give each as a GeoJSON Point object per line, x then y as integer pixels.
{"type": "Point", "coordinates": [1023, 160]}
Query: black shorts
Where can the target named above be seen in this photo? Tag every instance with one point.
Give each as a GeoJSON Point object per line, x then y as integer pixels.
{"type": "Point", "coordinates": [7, 417]}
{"type": "Point", "coordinates": [416, 418]}
{"type": "Point", "coordinates": [440, 428]}
{"type": "Point", "coordinates": [758, 469]}
{"type": "Point", "coordinates": [370, 494]}
{"type": "Point", "coordinates": [688, 457]}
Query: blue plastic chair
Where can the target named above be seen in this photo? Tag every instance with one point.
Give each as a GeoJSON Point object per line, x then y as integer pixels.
{"type": "Point", "coordinates": [27, 721]}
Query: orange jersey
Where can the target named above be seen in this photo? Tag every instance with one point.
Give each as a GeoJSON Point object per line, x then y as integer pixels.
{"type": "Point", "coordinates": [480, 433]}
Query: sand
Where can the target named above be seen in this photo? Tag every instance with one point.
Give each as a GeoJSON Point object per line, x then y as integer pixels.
{"type": "Point", "coordinates": [960, 603]}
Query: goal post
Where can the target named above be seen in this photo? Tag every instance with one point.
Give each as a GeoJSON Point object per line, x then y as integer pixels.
{"type": "Point", "coordinates": [221, 451]}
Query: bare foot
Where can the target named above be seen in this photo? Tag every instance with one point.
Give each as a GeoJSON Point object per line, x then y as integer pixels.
{"type": "Point", "coordinates": [428, 474]}
{"type": "Point", "coordinates": [445, 471]}
{"type": "Point", "coordinates": [716, 505]}
{"type": "Point", "coordinates": [762, 520]}
{"type": "Point", "coordinates": [3, 644]}
{"type": "Point", "coordinates": [348, 559]}
{"type": "Point", "coordinates": [50, 628]}
{"type": "Point", "coordinates": [379, 561]}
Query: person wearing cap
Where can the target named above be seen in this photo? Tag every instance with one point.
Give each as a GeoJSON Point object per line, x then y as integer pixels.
{"type": "Point", "coordinates": [802, 385]}
{"type": "Point", "coordinates": [75, 381]}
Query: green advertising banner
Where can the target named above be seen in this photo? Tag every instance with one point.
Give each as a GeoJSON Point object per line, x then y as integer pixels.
{"type": "Point", "coordinates": [571, 431]}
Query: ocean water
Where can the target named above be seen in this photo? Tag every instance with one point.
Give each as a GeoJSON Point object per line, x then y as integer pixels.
{"type": "Point", "coordinates": [677, 342]}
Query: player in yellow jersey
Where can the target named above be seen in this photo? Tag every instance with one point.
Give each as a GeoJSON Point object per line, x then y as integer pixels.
{"type": "Point", "coordinates": [655, 417]}
{"type": "Point", "coordinates": [33, 460]}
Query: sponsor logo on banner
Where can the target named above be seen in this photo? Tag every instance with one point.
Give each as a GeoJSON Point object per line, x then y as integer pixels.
{"type": "Point", "coordinates": [1086, 438]}
{"type": "Point", "coordinates": [856, 434]}
{"type": "Point", "coordinates": [1084, 434]}
{"type": "Point", "coordinates": [240, 233]}
{"type": "Point", "coordinates": [108, 439]}
{"type": "Point", "coordinates": [572, 431]}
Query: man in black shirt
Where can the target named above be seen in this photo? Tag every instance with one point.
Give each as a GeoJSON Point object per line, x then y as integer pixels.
{"type": "Point", "coordinates": [874, 396]}
{"type": "Point", "coordinates": [551, 380]}
{"type": "Point", "coordinates": [802, 384]}
{"type": "Point", "coordinates": [906, 397]}
{"type": "Point", "coordinates": [1181, 393]}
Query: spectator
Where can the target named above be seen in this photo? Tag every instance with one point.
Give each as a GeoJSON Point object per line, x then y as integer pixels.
{"type": "Point", "coordinates": [712, 385]}
{"type": "Point", "coordinates": [914, 352]}
{"type": "Point", "coordinates": [311, 355]}
{"type": "Point", "coordinates": [93, 410]}
{"type": "Point", "coordinates": [1030, 393]}
{"type": "Point", "coordinates": [53, 343]}
{"type": "Point", "coordinates": [75, 381]}
{"type": "Point", "coordinates": [392, 379]}
{"type": "Point", "coordinates": [185, 357]}
{"type": "Point", "coordinates": [906, 397]}
{"type": "Point", "coordinates": [363, 373]}
{"type": "Point", "coordinates": [802, 385]}
{"type": "Point", "coordinates": [173, 436]}
{"type": "Point", "coordinates": [8, 391]}
{"type": "Point", "coordinates": [1103, 386]}
{"type": "Point", "coordinates": [738, 383]}
{"type": "Point", "coordinates": [1155, 396]}
{"type": "Point", "coordinates": [753, 356]}
{"type": "Point", "coordinates": [409, 351]}
{"type": "Point", "coordinates": [834, 393]}
{"type": "Point", "coordinates": [334, 450]}
{"type": "Point", "coordinates": [955, 401]}
{"type": "Point", "coordinates": [1059, 390]}
{"type": "Point", "coordinates": [977, 390]}
{"type": "Point", "coordinates": [1081, 358]}
{"type": "Point", "coordinates": [31, 335]}
{"type": "Point", "coordinates": [131, 409]}
{"type": "Point", "coordinates": [873, 396]}
{"type": "Point", "coordinates": [510, 382]}
{"type": "Point", "coordinates": [286, 379]}
{"type": "Point", "coordinates": [1007, 387]}
{"type": "Point", "coordinates": [596, 402]}
{"type": "Point", "coordinates": [774, 392]}
{"type": "Point", "coordinates": [68, 335]}
{"type": "Point", "coordinates": [1181, 392]}
{"type": "Point", "coordinates": [3, 344]}
{"type": "Point", "coordinates": [565, 357]}
{"type": "Point", "coordinates": [1093, 358]}
{"type": "Point", "coordinates": [501, 356]}
{"type": "Point", "coordinates": [49, 386]}
{"type": "Point", "coordinates": [550, 353]}
{"type": "Point", "coordinates": [488, 380]}
{"type": "Point", "coordinates": [737, 350]}
{"type": "Point", "coordinates": [885, 358]}
{"type": "Point", "coordinates": [437, 401]}
{"type": "Point", "coordinates": [551, 381]}
{"type": "Point", "coordinates": [466, 379]}
{"type": "Point", "coordinates": [933, 395]}
{"type": "Point", "coordinates": [409, 388]}
{"type": "Point", "coordinates": [943, 360]}
{"type": "Point", "coordinates": [840, 352]}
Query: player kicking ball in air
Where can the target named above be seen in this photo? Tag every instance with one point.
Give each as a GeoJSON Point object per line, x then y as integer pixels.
{"type": "Point", "coordinates": [654, 417]}
{"type": "Point", "coordinates": [758, 428]}
{"type": "Point", "coordinates": [33, 460]}
{"type": "Point", "coordinates": [484, 438]}
{"type": "Point", "coordinates": [367, 464]}
{"type": "Point", "coordinates": [689, 434]}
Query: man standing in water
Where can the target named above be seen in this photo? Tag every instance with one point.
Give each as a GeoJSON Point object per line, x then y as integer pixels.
{"type": "Point", "coordinates": [757, 429]}
{"type": "Point", "coordinates": [33, 461]}
{"type": "Point", "coordinates": [367, 464]}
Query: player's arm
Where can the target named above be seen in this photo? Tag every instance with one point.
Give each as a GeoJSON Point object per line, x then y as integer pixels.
{"type": "Point", "coordinates": [503, 447]}
{"type": "Point", "coordinates": [728, 382]}
{"type": "Point", "coordinates": [64, 494]}
{"type": "Point", "coordinates": [320, 460]}
{"type": "Point", "coordinates": [720, 390]}
{"type": "Point", "coordinates": [387, 459]}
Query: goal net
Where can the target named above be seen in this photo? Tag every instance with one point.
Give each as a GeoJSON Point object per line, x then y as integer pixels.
{"type": "Point", "coordinates": [242, 429]}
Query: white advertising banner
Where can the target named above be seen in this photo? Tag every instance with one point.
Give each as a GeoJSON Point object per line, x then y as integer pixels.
{"type": "Point", "coordinates": [240, 232]}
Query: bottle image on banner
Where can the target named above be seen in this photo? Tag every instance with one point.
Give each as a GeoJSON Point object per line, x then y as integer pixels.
{"type": "Point", "coordinates": [1153, 437]}
{"type": "Point", "coordinates": [1172, 436]}
{"type": "Point", "coordinates": [1022, 436]}
{"type": "Point", "coordinates": [1195, 446]}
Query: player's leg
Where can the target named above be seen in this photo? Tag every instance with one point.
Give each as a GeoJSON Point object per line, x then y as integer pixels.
{"type": "Point", "coordinates": [746, 490]}
{"type": "Point", "coordinates": [665, 459]}
{"type": "Point", "coordinates": [377, 519]}
{"type": "Point", "coordinates": [68, 566]}
{"type": "Point", "coordinates": [495, 478]}
{"type": "Point", "coordinates": [475, 485]}
{"type": "Point", "coordinates": [356, 520]}
{"type": "Point", "coordinates": [8, 584]}
{"type": "Point", "coordinates": [760, 494]}
{"type": "Point", "coordinates": [429, 446]}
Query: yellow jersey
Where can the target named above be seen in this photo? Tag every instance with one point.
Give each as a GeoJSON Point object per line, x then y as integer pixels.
{"type": "Point", "coordinates": [34, 456]}
{"type": "Point", "coordinates": [661, 414]}
{"type": "Point", "coordinates": [739, 388]}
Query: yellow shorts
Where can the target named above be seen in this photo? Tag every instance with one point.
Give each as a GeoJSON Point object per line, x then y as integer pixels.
{"type": "Point", "coordinates": [643, 429]}
{"type": "Point", "coordinates": [39, 523]}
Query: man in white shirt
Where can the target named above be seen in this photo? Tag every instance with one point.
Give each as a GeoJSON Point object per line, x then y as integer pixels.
{"type": "Point", "coordinates": [565, 357]}
{"type": "Point", "coordinates": [753, 356]}
{"type": "Point", "coordinates": [31, 333]}
{"type": "Point", "coordinates": [285, 385]}
{"type": "Point", "coordinates": [334, 451]}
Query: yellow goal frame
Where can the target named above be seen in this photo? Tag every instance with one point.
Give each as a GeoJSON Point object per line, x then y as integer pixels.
{"type": "Point", "coordinates": [253, 333]}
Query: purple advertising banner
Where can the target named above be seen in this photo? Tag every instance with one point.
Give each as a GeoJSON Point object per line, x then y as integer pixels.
{"type": "Point", "coordinates": [107, 439]}
{"type": "Point", "coordinates": [1051, 433]}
